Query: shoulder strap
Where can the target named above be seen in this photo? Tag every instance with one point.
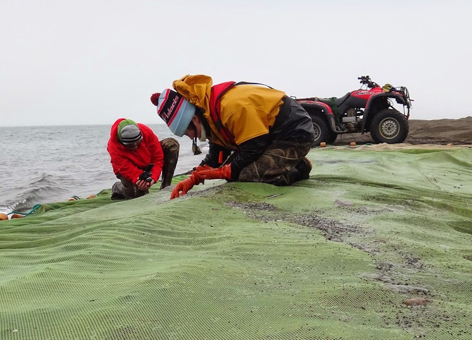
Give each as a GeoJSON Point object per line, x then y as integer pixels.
{"type": "Point", "coordinates": [251, 83]}
{"type": "Point", "coordinates": [217, 92]}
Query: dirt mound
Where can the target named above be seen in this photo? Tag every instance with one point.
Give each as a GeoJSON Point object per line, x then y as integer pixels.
{"type": "Point", "coordinates": [440, 131]}
{"type": "Point", "coordinates": [458, 131]}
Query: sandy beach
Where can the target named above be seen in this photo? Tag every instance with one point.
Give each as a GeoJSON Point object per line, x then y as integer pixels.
{"type": "Point", "coordinates": [441, 131]}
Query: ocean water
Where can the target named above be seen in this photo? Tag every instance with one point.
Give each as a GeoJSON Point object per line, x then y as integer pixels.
{"type": "Point", "coordinates": [45, 164]}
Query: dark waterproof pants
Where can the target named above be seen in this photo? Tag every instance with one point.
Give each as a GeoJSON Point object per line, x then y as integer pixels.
{"type": "Point", "coordinates": [127, 190]}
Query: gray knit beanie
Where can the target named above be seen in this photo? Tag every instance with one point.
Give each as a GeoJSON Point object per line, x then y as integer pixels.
{"type": "Point", "coordinates": [128, 132]}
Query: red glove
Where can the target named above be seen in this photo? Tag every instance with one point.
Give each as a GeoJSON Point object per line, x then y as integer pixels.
{"type": "Point", "coordinates": [202, 167]}
{"type": "Point", "coordinates": [216, 173]}
{"type": "Point", "coordinates": [183, 187]}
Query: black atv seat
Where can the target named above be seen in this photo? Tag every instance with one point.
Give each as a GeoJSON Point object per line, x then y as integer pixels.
{"type": "Point", "coordinates": [338, 101]}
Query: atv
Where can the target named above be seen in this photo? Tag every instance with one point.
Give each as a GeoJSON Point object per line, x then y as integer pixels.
{"type": "Point", "coordinates": [369, 109]}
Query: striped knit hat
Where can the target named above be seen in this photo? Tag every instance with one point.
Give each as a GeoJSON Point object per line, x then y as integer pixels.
{"type": "Point", "coordinates": [174, 110]}
{"type": "Point", "coordinates": [128, 132]}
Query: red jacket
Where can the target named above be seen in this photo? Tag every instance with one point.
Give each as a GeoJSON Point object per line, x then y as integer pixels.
{"type": "Point", "coordinates": [131, 163]}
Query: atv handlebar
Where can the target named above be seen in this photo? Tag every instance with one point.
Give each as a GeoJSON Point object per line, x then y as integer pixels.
{"type": "Point", "coordinates": [365, 80]}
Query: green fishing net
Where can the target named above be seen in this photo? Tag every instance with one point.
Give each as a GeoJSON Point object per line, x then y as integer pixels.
{"type": "Point", "coordinates": [375, 245]}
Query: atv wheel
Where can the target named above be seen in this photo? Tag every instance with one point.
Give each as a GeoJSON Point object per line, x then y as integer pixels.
{"type": "Point", "coordinates": [322, 132]}
{"type": "Point", "coordinates": [389, 126]}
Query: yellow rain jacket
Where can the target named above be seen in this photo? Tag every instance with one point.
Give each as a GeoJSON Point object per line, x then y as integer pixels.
{"type": "Point", "coordinates": [247, 111]}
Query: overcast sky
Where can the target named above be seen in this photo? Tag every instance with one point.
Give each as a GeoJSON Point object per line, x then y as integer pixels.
{"type": "Point", "coordinates": [92, 61]}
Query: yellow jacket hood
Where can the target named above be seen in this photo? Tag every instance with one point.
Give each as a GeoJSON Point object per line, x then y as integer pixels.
{"type": "Point", "coordinates": [196, 89]}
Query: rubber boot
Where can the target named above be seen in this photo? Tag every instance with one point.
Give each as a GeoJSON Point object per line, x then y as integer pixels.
{"type": "Point", "coordinates": [117, 191]}
{"type": "Point", "coordinates": [304, 168]}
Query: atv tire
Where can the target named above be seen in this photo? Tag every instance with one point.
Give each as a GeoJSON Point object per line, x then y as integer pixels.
{"type": "Point", "coordinates": [322, 132]}
{"type": "Point", "coordinates": [389, 126]}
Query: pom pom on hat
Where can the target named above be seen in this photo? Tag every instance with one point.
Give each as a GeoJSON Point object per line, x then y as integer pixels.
{"type": "Point", "coordinates": [155, 98]}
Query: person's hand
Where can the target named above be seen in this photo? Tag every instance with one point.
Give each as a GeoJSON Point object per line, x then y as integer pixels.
{"type": "Point", "coordinates": [184, 186]}
{"type": "Point", "coordinates": [144, 185]}
{"type": "Point", "coordinates": [216, 173]}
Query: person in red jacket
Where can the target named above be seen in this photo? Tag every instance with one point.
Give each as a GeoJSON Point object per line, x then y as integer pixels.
{"type": "Point", "coordinates": [138, 158]}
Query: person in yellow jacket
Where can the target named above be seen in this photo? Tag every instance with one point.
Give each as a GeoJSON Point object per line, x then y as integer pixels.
{"type": "Point", "coordinates": [255, 133]}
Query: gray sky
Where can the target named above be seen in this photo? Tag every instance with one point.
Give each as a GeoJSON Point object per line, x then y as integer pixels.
{"type": "Point", "coordinates": [92, 61]}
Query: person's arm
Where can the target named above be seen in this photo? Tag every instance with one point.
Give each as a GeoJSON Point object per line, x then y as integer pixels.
{"type": "Point", "coordinates": [154, 147]}
{"type": "Point", "coordinates": [125, 167]}
{"type": "Point", "coordinates": [157, 158]}
{"type": "Point", "coordinates": [213, 157]}
{"type": "Point", "coordinates": [249, 151]}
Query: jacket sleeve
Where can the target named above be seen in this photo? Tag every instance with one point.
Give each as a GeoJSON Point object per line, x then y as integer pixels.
{"type": "Point", "coordinates": [213, 156]}
{"type": "Point", "coordinates": [124, 166]}
{"type": "Point", "coordinates": [155, 149]}
{"type": "Point", "coordinates": [249, 152]}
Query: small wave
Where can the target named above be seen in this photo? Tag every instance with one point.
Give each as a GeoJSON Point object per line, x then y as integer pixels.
{"type": "Point", "coordinates": [41, 189]}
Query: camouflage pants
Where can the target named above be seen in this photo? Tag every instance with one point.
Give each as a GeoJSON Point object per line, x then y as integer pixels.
{"type": "Point", "coordinates": [280, 164]}
{"type": "Point", "coordinates": [171, 148]}
{"type": "Point", "coordinates": [127, 190]}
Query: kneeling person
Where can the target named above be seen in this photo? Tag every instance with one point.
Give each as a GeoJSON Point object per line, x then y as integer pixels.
{"type": "Point", "coordinates": [134, 148]}
{"type": "Point", "coordinates": [256, 133]}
